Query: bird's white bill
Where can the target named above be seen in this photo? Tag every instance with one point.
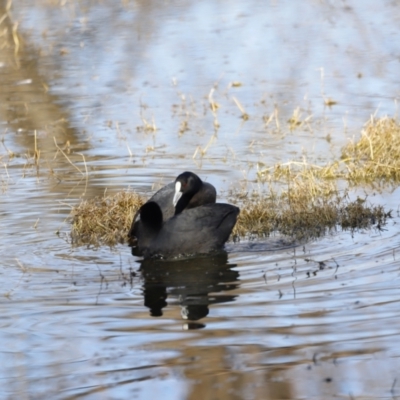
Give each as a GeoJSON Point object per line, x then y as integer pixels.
{"type": "Point", "coordinates": [177, 194]}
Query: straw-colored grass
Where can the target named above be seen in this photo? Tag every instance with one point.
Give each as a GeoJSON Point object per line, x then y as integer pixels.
{"type": "Point", "coordinates": [376, 156]}
{"type": "Point", "coordinates": [373, 159]}
{"type": "Point", "coordinates": [307, 206]}
{"type": "Point", "coordinates": [299, 213]}
{"type": "Point", "coordinates": [104, 220]}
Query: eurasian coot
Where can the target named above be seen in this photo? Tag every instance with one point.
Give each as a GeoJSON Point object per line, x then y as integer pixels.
{"type": "Point", "coordinates": [198, 230]}
{"type": "Point", "coordinates": [188, 191]}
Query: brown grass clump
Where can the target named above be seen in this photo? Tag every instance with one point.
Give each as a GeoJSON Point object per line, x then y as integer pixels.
{"type": "Point", "coordinates": [376, 156]}
{"type": "Point", "coordinates": [305, 210]}
{"type": "Point", "coordinates": [373, 159]}
{"type": "Point", "coordinates": [299, 213]}
{"type": "Point", "coordinates": [105, 220]}
{"type": "Point", "coordinates": [318, 179]}
{"type": "Point", "coordinates": [308, 206]}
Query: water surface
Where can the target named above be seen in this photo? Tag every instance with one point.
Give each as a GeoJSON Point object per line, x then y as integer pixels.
{"type": "Point", "coordinates": [267, 320]}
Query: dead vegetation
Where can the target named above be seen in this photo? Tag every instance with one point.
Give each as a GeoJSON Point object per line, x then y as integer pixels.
{"type": "Point", "coordinates": [373, 159]}
{"type": "Point", "coordinates": [104, 220]}
{"type": "Point", "coordinates": [376, 156]}
{"type": "Point", "coordinates": [307, 203]}
{"type": "Point", "coordinates": [304, 217]}
{"type": "Point", "coordinates": [296, 212]}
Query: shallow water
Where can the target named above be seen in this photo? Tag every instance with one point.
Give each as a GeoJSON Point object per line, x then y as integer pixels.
{"type": "Point", "coordinates": [266, 320]}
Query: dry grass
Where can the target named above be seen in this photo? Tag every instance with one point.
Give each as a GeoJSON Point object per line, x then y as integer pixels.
{"type": "Point", "coordinates": [304, 217]}
{"type": "Point", "coordinates": [376, 156]}
{"type": "Point", "coordinates": [301, 212]}
{"type": "Point", "coordinates": [373, 159]}
{"type": "Point", "coordinates": [309, 206]}
{"type": "Point", "coordinates": [104, 220]}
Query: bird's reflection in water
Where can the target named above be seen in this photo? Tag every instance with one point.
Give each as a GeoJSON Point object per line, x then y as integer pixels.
{"type": "Point", "coordinates": [196, 282]}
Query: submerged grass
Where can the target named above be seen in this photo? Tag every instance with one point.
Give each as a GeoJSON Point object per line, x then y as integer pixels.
{"type": "Point", "coordinates": [307, 205]}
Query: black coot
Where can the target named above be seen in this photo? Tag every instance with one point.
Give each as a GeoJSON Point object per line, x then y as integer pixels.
{"type": "Point", "coordinates": [188, 191]}
{"type": "Point", "coordinates": [199, 230]}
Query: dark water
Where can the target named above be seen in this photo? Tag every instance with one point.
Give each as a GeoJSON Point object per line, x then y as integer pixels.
{"type": "Point", "coordinates": [87, 81]}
